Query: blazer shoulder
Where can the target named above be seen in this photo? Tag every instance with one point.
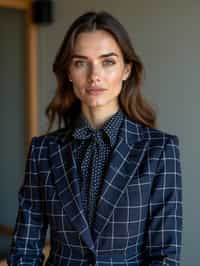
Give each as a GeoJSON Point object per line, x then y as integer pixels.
{"type": "Point", "coordinates": [56, 135]}
{"type": "Point", "coordinates": [137, 132]}
{"type": "Point", "coordinates": [159, 137]}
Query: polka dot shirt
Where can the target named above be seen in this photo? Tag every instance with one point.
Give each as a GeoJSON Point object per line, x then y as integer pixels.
{"type": "Point", "coordinates": [93, 150]}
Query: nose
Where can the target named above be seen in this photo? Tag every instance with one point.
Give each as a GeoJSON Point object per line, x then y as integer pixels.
{"type": "Point", "coordinates": [94, 74]}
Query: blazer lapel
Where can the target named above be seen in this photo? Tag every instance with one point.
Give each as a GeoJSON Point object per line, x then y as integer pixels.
{"type": "Point", "coordinates": [67, 186]}
{"type": "Point", "coordinates": [126, 158]}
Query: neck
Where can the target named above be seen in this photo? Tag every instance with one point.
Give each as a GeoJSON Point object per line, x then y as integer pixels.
{"type": "Point", "coordinates": [98, 116]}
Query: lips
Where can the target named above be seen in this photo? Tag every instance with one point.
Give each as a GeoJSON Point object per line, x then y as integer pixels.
{"type": "Point", "coordinates": [95, 90]}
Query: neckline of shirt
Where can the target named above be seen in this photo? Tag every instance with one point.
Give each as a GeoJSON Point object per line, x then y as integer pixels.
{"type": "Point", "coordinates": [82, 129]}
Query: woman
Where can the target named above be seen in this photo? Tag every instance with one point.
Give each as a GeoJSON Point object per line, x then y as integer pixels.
{"type": "Point", "coordinates": [107, 183]}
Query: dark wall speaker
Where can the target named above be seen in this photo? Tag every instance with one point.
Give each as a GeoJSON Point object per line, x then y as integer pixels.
{"type": "Point", "coordinates": [42, 11]}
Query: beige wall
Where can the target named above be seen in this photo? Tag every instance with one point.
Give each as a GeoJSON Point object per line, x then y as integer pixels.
{"type": "Point", "coordinates": [167, 37]}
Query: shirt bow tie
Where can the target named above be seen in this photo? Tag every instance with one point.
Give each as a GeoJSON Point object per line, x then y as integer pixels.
{"type": "Point", "coordinates": [106, 134]}
{"type": "Point", "coordinates": [86, 133]}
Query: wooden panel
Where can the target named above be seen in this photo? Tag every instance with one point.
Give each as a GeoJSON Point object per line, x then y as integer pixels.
{"type": "Point", "coordinates": [31, 66]}
{"type": "Point", "coordinates": [31, 73]}
{"type": "Point", "coordinates": [17, 4]}
{"type": "Point", "coordinates": [5, 230]}
{"type": "Point", "coordinates": [32, 98]}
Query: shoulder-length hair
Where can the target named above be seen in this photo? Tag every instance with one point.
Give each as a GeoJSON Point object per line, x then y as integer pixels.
{"type": "Point", "coordinates": [65, 106]}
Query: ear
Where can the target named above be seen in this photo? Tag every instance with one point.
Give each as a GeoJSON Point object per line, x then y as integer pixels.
{"type": "Point", "coordinates": [127, 71]}
{"type": "Point", "coordinates": [69, 78]}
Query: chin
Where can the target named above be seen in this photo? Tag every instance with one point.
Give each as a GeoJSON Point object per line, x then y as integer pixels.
{"type": "Point", "coordinates": [95, 102]}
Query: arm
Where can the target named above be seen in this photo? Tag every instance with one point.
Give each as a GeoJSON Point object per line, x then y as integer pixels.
{"type": "Point", "coordinates": [31, 225]}
{"type": "Point", "coordinates": [164, 229]}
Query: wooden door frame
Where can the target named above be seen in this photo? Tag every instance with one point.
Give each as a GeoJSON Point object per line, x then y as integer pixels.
{"type": "Point", "coordinates": [31, 124]}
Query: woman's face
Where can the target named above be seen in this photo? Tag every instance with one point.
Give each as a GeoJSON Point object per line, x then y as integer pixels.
{"type": "Point", "coordinates": [97, 70]}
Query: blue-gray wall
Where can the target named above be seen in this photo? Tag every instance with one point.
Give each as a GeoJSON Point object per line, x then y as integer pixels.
{"type": "Point", "coordinates": [12, 115]}
{"type": "Point", "coordinates": [166, 35]}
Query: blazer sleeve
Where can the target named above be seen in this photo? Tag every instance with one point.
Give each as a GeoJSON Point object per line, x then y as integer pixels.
{"type": "Point", "coordinates": [31, 223]}
{"type": "Point", "coordinates": [164, 229]}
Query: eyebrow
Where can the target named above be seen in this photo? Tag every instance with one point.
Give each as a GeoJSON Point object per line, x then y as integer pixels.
{"type": "Point", "coordinates": [101, 56]}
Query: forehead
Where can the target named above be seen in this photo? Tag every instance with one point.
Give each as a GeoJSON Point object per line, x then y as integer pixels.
{"type": "Point", "coordinates": [96, 43]}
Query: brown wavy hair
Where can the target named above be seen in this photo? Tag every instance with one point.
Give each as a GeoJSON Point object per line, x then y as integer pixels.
{"type": "Point", "coordinates": [65, 106]}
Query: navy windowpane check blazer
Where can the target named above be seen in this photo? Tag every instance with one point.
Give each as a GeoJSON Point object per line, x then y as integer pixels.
{"type": "Point", "coordinates": [139, 213]}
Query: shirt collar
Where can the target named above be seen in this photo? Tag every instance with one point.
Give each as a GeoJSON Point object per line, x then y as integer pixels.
{"type": "Point", "coordinates": [83, 130]}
